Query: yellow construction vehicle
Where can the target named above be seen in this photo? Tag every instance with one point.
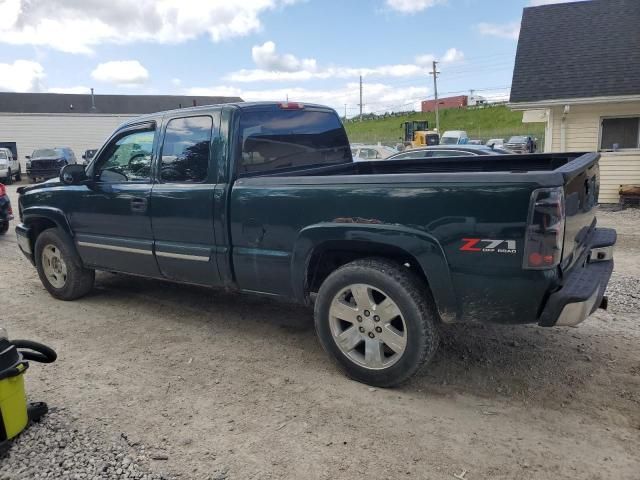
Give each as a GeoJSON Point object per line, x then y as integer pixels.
{"type": "Point", "coordinates": [417, 134]}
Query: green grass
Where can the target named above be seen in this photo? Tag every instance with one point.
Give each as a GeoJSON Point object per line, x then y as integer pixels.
{"type": "Point", "coordinates": [482, 123]}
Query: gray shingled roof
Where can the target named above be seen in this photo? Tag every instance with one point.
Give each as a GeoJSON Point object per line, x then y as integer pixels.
{"type": "Point", "coordinates": [113, 104]}
{"type": "Point", "coordinates": [574, 50]}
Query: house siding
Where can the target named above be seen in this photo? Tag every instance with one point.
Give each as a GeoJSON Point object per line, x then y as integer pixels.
{"type": "Point", "coordinates": [582, 134]}
{"type": "Point", "coordinates": [80, 132]}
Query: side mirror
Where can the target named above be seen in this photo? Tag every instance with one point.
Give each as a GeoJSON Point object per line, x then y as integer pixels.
{"type": "Point", "coordinates": [73, 174]}
{"type": "Point", "coordinates": [28, 157]}
{"type": "Point", "coordinates": [84, 157]}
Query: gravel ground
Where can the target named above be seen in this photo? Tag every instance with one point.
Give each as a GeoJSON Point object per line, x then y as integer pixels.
{"type": "Point", "coordinates": [57, 448]}
{"type": "Point", "coordinates": [220, 385]}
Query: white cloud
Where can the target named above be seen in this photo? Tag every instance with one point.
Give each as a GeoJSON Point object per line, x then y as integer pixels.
{"type": "Point", "coordinates": [504, 30]}
{"type": "Point", "coordinates": [274, 66]}
{"type": "Point", "coordinates": [452, 55]}
{"type": "Point", "coordinates": [78, 89]}
{"type": "Point", "coordinates": [378, 97]}
{"type": "Point", "coordinates": [411, 6]}
{"type": "Point", "coordinates": [123, 73]}
{"type": "Point", "coordinates": [266, 57]}
{"type": "Point", "coordinates": [76, 26]}
{"type": "Point", "coordinates": [21, 76]}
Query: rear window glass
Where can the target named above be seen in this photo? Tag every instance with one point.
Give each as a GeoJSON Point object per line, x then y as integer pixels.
{"type": "Point", "coordinates": [289, 139]}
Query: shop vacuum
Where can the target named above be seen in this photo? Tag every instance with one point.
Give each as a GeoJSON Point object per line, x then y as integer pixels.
{"type": "Point", "coordinates": [15, 412]}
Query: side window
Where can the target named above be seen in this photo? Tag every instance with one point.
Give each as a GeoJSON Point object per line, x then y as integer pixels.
{"type": "Point", "coordinates": [127, 159]}
{"type": "Point", "coordinates": [185, 152]}
{"type": "Point", "coordinates": [449, 153]}
{"type": "Point", "coordinates": [3, 156]}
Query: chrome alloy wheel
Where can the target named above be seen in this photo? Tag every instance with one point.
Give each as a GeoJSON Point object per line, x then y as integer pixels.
{"type": "Point", "coordinates": [367, 326]}
{"type": "Point", "coordinates": [54, 267]}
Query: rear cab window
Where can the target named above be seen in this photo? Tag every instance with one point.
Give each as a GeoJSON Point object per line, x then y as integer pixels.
{"type": "Point", "coordinates": [280, 140]}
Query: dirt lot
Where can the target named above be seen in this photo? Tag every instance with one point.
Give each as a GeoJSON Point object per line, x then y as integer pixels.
{"type": "Point", "coordinates": [231, 386]}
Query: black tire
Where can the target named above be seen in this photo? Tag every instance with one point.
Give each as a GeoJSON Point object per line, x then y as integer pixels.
{"type": "Point", "coordinates": [9, 179]}
{"type": "Point", "coordinates": [412, 297]}
{"type": "Point", "coordinates": [19, 174]}
{"type": "Point", "coordinates": [79, 280]}
{"type": "Point", "coordinates": [4, 228]}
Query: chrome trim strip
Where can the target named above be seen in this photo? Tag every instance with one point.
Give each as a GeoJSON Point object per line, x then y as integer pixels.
{"type": "Point", "coordinates": [114, 247]}
{"type": "Point", "coordinates": [182, 256]}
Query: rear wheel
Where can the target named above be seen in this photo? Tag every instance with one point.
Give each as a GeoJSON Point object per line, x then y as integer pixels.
{"type": "Point", "coordinates": [59, 266]}
{"type": "Point", "coordinates": [377, 320]}
{"type": "Point", "coordinates": [19, 174]}
{"type": "Point", "coordinates": [4, 227]}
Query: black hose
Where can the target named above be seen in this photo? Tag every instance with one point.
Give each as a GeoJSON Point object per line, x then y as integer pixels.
{"type": "Point", "coordinates": [39, 352]}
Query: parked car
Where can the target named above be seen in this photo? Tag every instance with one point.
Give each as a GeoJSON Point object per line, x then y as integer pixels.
{"type": "Point", "coordinates": [88, 155]}
{"type": "Point", "coordinates": [454, 137]}
{"type": "Point", "coordinates": [495, 142]}
{"type": "Point", "coordinates": [46, 163]}
{"type": "Point", "coordinates": [6, 213]}
{"type": "Point", "coordinates": [273, 204]}
{"type": "Point", "coordinates": [371, 152]}
{"type": "Point", "coordinates": [446, 151]}
{"type": "Point", "coordinates": [9, 167]}
{"type": "Point", "coordinates": [521, 144]}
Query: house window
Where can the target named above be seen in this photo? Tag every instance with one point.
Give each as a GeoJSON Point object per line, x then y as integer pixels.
{"type": "Point", "coordinates": [618, 133]}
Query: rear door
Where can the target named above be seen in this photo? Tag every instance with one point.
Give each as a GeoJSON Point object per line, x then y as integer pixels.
{"type": "Point", "coordinates": [110, 215]}
{"type": "Point", "coordinates": [182, 200]}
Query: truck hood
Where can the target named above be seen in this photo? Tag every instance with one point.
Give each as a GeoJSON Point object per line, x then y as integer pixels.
{"type": "Point", "coordinates": [52, 182]}
{"type": "Point", "coordinates": [46, 159]}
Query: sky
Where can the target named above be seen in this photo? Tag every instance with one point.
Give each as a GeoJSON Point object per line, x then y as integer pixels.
{"type": "Point", "coordinates": [303, 50]}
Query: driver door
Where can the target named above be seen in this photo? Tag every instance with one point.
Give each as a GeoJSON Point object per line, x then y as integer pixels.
{"type": "Point", "coordinates": [110, 215]}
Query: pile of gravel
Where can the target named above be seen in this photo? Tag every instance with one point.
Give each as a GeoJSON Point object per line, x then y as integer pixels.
{"type": "Point", "coordinates": [624, 294]}
{"type": "Point", "coordinates": [56, 448]}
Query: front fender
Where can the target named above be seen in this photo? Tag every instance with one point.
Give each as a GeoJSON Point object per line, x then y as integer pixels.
{"type": "Point", "coordinates": [421, 246]}
{"type": "Point", "coordinates": [57, 216]}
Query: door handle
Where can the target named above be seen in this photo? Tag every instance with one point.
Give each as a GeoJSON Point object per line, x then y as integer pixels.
{"type": "Point", "coordinates": [138, 205]}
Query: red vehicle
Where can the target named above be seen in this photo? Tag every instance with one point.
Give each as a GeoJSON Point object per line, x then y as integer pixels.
{"type": "Point", "coordinates": [6, 214]}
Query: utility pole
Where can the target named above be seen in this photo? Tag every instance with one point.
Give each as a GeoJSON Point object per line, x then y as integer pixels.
{"type": "Point", "coordinates": [360, 98]}
{"type": "Point", "coordinates": [435, 73]}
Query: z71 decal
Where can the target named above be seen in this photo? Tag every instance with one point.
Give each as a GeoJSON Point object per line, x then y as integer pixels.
{"type": "Point", "coordinates": [488, 245]}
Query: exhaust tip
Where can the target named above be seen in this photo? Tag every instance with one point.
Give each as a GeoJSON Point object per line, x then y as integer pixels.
{"type": "Point", "coordinates": [604, 303]}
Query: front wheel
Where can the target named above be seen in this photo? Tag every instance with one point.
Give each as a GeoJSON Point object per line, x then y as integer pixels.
{"type": "Point", "coordinates": [19, 174]}
{"type": "Point", "coordinates": [4, 228]}
{"type": "Point", "coordinates": [9, 179]}
{"type": "Point", "coordinates": [59, 266]}
{"type": "Point", "coordinates": [377, 320]}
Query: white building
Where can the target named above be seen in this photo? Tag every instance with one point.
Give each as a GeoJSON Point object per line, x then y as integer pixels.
{"type": "Point", "coordinates": [29, 121]}
{"type": "Point", "coordinates": [578, 69]}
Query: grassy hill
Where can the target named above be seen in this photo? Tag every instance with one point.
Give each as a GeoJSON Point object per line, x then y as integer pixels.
{"type": "Point", "coordinates": [482, 123]}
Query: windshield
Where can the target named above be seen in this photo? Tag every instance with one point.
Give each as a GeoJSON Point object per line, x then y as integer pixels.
{"type": "Point", "coordinates": [46, 153]}
{"type": "Point", "coordinates": [517, 140]}
{"type": "Point", "coordinates": [282, 139]}
{"type": "Point", "coordinates": [449, 141]}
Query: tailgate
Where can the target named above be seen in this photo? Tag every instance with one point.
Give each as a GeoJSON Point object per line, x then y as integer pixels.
{"type": "Point", "coordinates": [581, 186]}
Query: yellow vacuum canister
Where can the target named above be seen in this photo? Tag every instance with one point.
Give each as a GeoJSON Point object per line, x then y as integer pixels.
{"type": "Point", "coordinates": [15, 413]}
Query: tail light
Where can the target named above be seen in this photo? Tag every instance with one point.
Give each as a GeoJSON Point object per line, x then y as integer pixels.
{"type": "Point", "coordinates": [291, 106]}
{"type": "Point", "coordinates": [3, 190]}
{"type": "Point", "coordinates": [545, 229]}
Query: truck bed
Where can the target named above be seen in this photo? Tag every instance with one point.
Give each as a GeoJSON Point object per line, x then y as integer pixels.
{"type": "Point", "coordinates": [533, 165]}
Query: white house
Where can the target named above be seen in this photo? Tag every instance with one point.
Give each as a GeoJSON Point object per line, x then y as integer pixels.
{"type": "Point", "coordinates": [578, 68]}
{"type": "Point", "coordinates": [29, 121]}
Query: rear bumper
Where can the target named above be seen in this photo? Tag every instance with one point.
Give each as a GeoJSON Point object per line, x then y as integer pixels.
{"type": "Point", "coordinates": [583, 288]}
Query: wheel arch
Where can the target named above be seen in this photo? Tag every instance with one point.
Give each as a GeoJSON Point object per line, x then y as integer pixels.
{"type": "Point", "coordinates": [39, 219]}
{"type": "Point", "coordinates": [322, 248]}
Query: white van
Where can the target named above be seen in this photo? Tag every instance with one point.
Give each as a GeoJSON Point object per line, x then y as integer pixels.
{"type": "Point", "coordinates": [454, 137]}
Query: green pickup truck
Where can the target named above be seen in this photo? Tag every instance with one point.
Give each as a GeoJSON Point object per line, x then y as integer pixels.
{"type": "Point", "coordinates": [265, 198]}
